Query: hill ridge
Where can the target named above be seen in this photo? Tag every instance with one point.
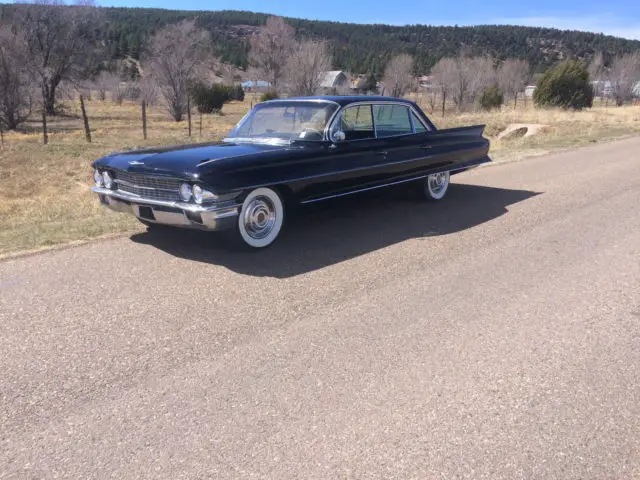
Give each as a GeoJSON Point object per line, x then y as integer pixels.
{"type": "Point", "coordinates": [361, 48]}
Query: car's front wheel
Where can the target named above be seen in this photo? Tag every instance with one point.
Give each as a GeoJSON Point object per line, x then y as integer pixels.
{"type": "Point", "coordinates": [436, 185]}
{"type": "Point", "coordinates": [261, 218]}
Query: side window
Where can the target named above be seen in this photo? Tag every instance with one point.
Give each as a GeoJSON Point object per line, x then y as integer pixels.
{"type": "Point", "coordinates": [392, 120]}
{"type": "Point", "coordinates": [417, 124]}
{"type": "Point", "coordinates": [356, 123]}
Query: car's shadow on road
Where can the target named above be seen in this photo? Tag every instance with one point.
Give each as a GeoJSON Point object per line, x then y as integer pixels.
{"type": "Point", "coordinates": [337, 230]}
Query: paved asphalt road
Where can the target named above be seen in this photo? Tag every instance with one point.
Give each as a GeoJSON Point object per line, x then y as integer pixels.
{"type": "Point", "coordinates": [494, 335]}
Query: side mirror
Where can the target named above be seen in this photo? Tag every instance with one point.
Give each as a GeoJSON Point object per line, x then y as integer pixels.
{"type": "Point", "coordinates": [338, 136]}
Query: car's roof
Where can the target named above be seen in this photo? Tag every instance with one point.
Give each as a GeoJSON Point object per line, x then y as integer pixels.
{"type": "Point", "coordinates": [347, 99]}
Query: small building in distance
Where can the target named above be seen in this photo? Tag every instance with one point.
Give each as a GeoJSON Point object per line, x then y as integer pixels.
{"type": "Point", "coordinates": [426, 82]}
{"type": "Point", "coordinates": [256, 86]}
{"type": "Point", "coordinates": [528, 90]}
{"type": "Point", "coordinates": [333, 81]}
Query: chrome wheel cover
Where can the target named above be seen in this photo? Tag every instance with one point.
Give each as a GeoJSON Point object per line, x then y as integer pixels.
{"type": "Point", "coordinates": [437, 184]}
{"type": "Point", "coordinates": [259, 217]}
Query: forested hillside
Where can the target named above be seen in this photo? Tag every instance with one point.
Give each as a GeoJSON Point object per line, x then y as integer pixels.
{"type": "Point", "coordinates": [360, 48]}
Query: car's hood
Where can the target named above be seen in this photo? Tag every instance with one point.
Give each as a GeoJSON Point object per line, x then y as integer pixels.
{"type": "Point", "coordinates": [183, 160]}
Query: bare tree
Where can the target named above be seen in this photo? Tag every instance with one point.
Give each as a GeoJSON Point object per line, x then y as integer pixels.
{"type": "Point", "coordinates": [119, 90]}
{"type": "Point", "coordinates": [598, 75]}
{"type": "Point", "coordinates": [432, 98]}
{"type": "Point", "coordinates": [445, 72]}
{"type": "Point", "coordinates": [15, 91]}
{"type": "Point", "coordinates": [148, 90]}
{"type": "Point", "coordinates": [172, 58]}
{"type": "Point", "coordinates": [624, 75]}
{"type": "Point", "coordinates": [271, 48]}
{"type": "Point", "coordinates": [60, 41]}
{"type": "Point", "coordinates": [104, 84]}
{"type": "Point", "coordinates": [464, 78]}
{"type": "Point", "coordinates": [453, 73]}
{"type": "Point", "coordinates": [512, 78]}
{"type": "Point", "coordinates": [309, 60]}
{"type": "Point", "coordinates": [481, 74]}
{"type": "Point", "coordinates": [596, 68]}
{"type": "Point", "coordinates": [398, 75]}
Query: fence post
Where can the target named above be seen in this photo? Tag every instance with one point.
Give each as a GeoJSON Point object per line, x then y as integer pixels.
{"type": "Point", "coordinates": [444, 99]}
{"type": "Point", "coordinates": [144, 119]}
{"type": "Point", "coordinates": [87, 131]}
{"type": "Point", "coordinates": [45, 135]}
{"type": "Point", "coordinates": [1, 135]}
{"type": "Point", "coordinates": [201, 124]}
{"type": "Point", "coordinates": [189, 114]}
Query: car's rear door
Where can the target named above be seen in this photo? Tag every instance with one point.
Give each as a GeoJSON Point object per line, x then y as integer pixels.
{"type": "Point", "coordinates": [397, 139]}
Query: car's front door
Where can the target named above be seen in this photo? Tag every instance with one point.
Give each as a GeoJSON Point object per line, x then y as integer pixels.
{"type": "Point", "coordinates": [349, 160]}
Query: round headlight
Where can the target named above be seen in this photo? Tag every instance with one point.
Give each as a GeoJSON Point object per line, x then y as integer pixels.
{"type": "Point", "coordinates": [97, 177]}
{"type": "Point", "coordinates": [197, 193]}
{"type": "Point", "coordinates": [185, 192]}
{"type": "Point", "coordinates": [107, 180]}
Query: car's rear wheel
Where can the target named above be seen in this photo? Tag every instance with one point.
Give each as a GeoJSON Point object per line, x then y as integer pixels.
{"type": "Point", "coordinates": [261, 218]}
{"type": "Point", "coordinates": [436, 185]}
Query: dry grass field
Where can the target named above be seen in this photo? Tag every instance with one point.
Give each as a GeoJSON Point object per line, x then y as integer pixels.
{"type": "Point", "coordinates": [44, 189]}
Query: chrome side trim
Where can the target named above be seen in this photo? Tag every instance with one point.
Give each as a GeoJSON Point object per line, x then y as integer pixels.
{"type": "Point", "coordinates": [405, 180]}
{"type": "Point", "coordinates": [366, 167]}
{"type": "Point", "coordinates": [366, 189]}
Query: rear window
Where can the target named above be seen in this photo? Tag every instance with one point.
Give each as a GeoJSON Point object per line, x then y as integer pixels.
{"type": "Point", "coordinates": [392, 120]}
{"type": "Point", "coordinates": [417, 124]}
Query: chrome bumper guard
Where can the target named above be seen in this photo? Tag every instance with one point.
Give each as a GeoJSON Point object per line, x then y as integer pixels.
{"type": "Point", "coordinates": [178, 214]}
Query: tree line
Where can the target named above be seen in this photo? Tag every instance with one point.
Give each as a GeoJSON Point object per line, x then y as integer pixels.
{"type": "Point", "coordinates": [354, 47]}
{"type": "Point", "coordinates": [47, 45]}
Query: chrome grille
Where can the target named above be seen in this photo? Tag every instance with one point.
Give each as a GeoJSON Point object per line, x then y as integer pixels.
{"type": "Point", "coordinates": [144, 186]}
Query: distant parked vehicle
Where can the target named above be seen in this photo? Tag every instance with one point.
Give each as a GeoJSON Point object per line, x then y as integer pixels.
{"type": "Point", "coordinates": [283, 153]}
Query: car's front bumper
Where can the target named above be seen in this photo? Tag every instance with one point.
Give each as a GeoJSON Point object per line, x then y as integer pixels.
{"type": "Point", "coordinates": [177, 214]}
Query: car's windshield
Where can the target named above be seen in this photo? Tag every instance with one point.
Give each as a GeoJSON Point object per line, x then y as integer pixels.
{"type": "Point", "coordinates": [284, 121]}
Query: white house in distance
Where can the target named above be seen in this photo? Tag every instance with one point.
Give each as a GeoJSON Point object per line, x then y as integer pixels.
{"type": "Point", "coordinates": [256, 86]}
{"type": "Point", "coordinates": [335, 79]}
{"type": "Point", "coordinates": [426, 81]}
{"type": "Point", "coordinates": [528, 90]}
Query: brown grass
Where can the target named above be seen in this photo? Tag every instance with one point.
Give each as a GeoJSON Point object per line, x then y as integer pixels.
{"type": "Point", "coordinates": [45, 196]}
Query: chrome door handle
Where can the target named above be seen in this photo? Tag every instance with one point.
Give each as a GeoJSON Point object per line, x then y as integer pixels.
{"type": "Point", "coordinates": [382, 152]}
{"type": "Point", "coordinates": [426, 146]}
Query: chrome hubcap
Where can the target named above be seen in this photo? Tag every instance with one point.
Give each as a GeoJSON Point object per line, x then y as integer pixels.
{"type": "Point", "coordinates": [259, 217]}
{"type": "Point", "coordinates": [437, 182]}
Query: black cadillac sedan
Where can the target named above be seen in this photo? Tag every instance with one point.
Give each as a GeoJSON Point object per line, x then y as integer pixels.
{"type": "Point", "coordinates": [283, 153]}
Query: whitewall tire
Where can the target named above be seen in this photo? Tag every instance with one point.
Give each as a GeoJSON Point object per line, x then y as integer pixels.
{"type": "Point", "coordinates": [261, 218]}
{"type": "Point", "coordinates": [436, 185]}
